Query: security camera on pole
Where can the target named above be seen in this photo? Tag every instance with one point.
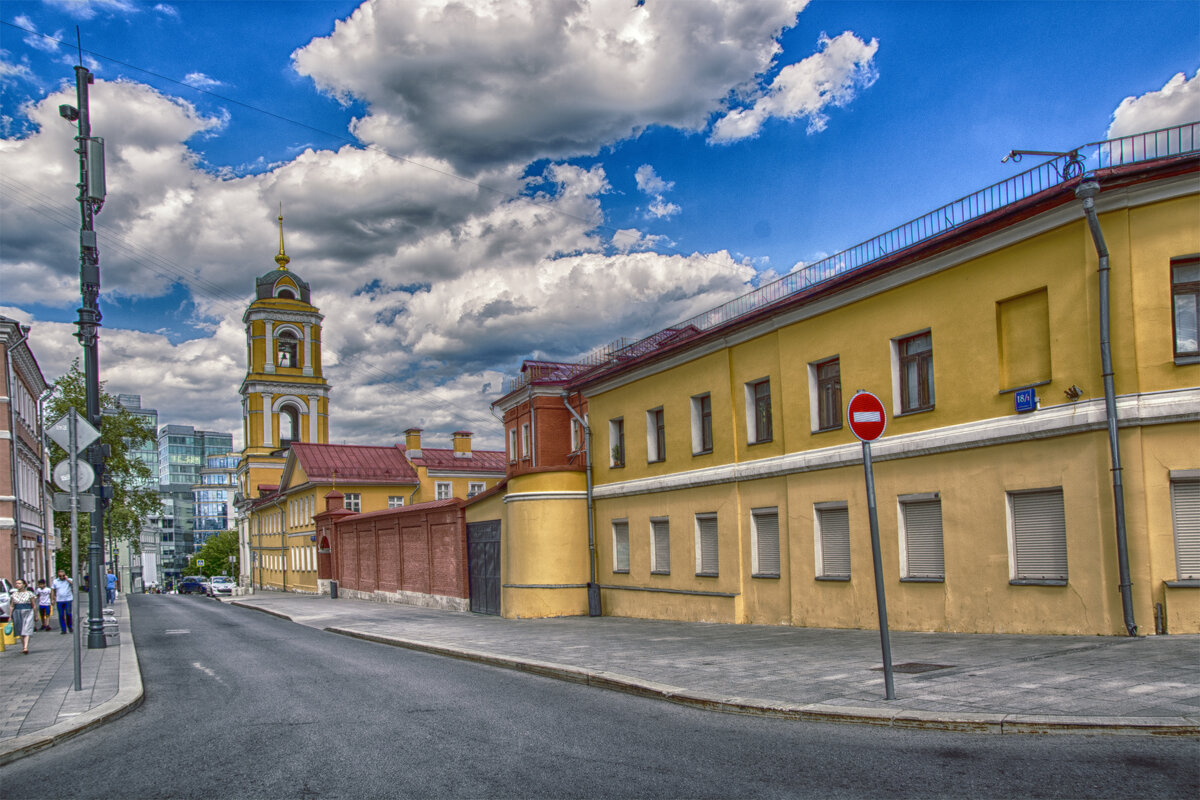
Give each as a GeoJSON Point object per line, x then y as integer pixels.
{"type": "Point", "coordinates": [91, 198]}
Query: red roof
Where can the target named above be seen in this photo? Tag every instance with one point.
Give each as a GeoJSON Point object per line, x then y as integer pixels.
{"type": "Point", "coordinates": [354, 463]}
{"type": "Point", "coordinates": [447, 461]}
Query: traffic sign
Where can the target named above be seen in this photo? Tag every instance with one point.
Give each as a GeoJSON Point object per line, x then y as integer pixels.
{"type": "Point", "coordinates": [867, 417]}
{"type": "Point", "coordinates": [60, 432]}
{"type": "Point", "coordinates": [84, 475]}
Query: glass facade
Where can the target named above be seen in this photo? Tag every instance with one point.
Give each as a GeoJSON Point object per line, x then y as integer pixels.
{"type": "Point", "coordinates": [213, 497]}
{"type": "Point", "coordinates": [183, 464]}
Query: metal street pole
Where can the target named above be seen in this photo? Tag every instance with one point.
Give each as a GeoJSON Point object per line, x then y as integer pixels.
{"type": "Point", "coordinates": [91, 197]}
{"type": "Point", "coordinates": [880, 599]}
{"type": "Point", "coordinates": [72, 456]}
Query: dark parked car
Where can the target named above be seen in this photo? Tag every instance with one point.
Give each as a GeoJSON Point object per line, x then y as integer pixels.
{"type": "Point", "coordinates": [191, 585]}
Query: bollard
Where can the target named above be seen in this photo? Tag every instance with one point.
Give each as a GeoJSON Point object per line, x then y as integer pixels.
{"type": "Point", "coordinates": [333, 590]}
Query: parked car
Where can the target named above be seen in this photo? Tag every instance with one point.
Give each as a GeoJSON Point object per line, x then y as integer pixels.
{"type": "Point", "coordinates": [221, 584]}
{"type": "Point", "coordinates": [192, 584]}
{"type": "Point", "coordinates": [6, 589]}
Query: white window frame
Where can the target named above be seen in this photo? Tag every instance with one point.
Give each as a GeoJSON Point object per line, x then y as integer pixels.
{"type": "Point", "coordinates": [655, 567]}
{"type": "Point", "coordinates": [814, 395]}
{"type": "Point", "coordinates": [1019, 573]}
{"type": "Point", "coordinates": [758, 569]}
{"type": "Point", "coordinates": [395, 501]}
{"type": "Point", "coordinates": [698, 424]}
{"type": "Point", "coordinates": [898, 378]}
{"type": "Point", "coordinates": [752, 409]}
{"type": "Point", "coordinates": [616, 429]}
{"type": "Point", "coordinates": [819, 510]}
{"type": "Point", "coordinates": [652, 453]}
{"type": "Point", "coordinates": [443, 486]}
{"type": "Point", "coordinates": [513, 455]}
{"type": "Point", "coordinates": [620, 529]}
{"type": "Point", "coordinates": [353, 501]}
{"type": "Point", "coordinates": [1185, 522]}
{"type": "Point", "coordinates": [526, 441]}
{"type": "Point", "coordinates": [702, 568]}
{"type": "Point", "coordinates": [576, 436]}
{"type": "Point", "coordinates": [905, 503]}
{"type": "Point", "coordinates": [476, 487]}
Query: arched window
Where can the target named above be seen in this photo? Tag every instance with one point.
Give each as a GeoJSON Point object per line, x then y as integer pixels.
{"type": "Point", "coordinates": [289, 425]}
{"type": "Point", "coordinates": [288, 347]}
{"type": "Point", "coordinates": [285, 294]}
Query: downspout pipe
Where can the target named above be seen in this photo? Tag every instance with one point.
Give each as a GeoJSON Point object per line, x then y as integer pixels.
{"type": "Point", "coordinates": [1087, 191]}
{"type": "Point", "coordinates": [593, 587]}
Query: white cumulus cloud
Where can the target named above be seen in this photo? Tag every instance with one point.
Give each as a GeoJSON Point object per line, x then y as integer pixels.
{"type": "Point", "coordinates": [1178, 102]}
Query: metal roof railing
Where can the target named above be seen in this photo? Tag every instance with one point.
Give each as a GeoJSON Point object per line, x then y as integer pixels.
{"type": "Point", "coordinates": [1122, 151]}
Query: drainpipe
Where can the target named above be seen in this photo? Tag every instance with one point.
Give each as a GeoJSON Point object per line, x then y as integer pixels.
{"type": "Point", "coordinates": [47, 513]}
{"type": "Point", "coordinates": [593, 587]}
{"type": "Point", "coordinates": [1087, 192]}
{"type": "Point", "coordinates": [16, 461]}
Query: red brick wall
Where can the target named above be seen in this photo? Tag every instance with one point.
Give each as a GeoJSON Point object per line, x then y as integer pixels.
{"type": "Point", "coordinates": [416, 549]}
{"type": "Point", "coordinates": [551, 433]}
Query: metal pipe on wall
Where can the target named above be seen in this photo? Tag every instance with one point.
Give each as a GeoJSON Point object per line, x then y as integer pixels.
{"type": "Point", "coordinates": [1087, 191]}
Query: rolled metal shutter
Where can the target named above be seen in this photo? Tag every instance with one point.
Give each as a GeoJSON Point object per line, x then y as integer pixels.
{"type": "Point", "coordinates": [835, 541]}
{"type": "Point", "coordinates": [1185, 515]}
{"type": "Point", "coordinates": [766, 530]}
{"type": "Point", "coordinates": [620, 547]}
{"type": "Point", "coordinates": [708, 544]}
{"type": "Point", "coordinates": [1040, 535]}
{"type": "Point", "coordinates": [662, 545]}
{"type": "Point", "coordinates": [923, 539]}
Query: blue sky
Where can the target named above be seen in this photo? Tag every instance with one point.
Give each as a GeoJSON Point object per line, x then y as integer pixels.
{"type": "Point", "coordinates": [726, 141]}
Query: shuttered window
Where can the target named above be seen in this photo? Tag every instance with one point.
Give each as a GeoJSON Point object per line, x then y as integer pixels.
{"type": "Point", "coordinates": [660, 546]}
{"type": "Point", "coordinates": [1185, 514]}
{"type": "Point", "coordinates": [923, 555]}
{"type": "Point", "coordinates": [620, 532]}
{"type": "Point", "coordinates": [1039, 535]}
{"type": "Point", "coordinates": [833, 537]}
{"type": "Point", "coordinates": [706, 544]}
{"type": "Point", "coordinates": [765, 526]}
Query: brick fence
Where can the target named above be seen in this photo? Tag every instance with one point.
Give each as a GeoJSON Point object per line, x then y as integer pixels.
{"type": "Point", "coordinates": [415, 555]}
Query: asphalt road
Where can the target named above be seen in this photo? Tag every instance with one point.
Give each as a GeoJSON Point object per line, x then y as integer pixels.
{"type": "Point", "coordinates": [240, 704]}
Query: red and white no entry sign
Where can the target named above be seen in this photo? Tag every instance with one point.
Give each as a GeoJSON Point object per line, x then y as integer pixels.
{"type": "Point", "coordinates": [867, 417]}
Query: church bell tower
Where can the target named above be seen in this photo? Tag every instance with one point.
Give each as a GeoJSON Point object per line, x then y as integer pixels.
{"type": "Point", "coordinates": [285, 397]}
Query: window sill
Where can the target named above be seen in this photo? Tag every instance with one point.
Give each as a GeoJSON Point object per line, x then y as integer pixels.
{"type": "Point", "coordinates": [655, 460]}
{"type": "Point", "coordinates": [1181, 361]}
{"type": "Point", "coordinates": [620, 572]}
{"type": "Point", "coordinates": [660, 572]}
{"type": "Point", "coordinates": [827, 430]}
{"type": "Point", "coordinates": [1024, 386]}
{"type": "Point", "coordinates": [616, 466]}
{"type": "Point", "coordinates": [1186, 583]}
{"type": "Point", "coordinates": [774, 575]}
{"type": "Point", "coordinates": [1037, 582]}
{"type": "Point", "coordinates": [910, 412]}
{"type": "Point", "coordinates": [843, 578]}
{"type": "Point", "coordinates": [707, 452]}
{"type": "Point", "coordinates": [707, 575]}
{"type": "Point", "coordinates": [923, 580]}
{"type": "Point", "coordinates": [760, 441]}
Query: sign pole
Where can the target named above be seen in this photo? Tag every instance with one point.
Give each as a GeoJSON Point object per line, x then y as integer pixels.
{"type": "Point", "coordinates": [72, 451]}
{"type": "Point", "coordinates": [880, 598]}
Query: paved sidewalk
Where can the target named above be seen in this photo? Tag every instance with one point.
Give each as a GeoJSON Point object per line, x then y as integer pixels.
{"type": "Point", "coordinates": [39, 706]}
{"type": "Point", "coordinates": [977, 682]}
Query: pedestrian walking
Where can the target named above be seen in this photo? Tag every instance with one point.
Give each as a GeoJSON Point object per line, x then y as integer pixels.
{"type": "Point", "coordinates": [111, 587]}
{"type": "Point", "coordinates": [22, 613]}
{"type": "Point", "coordinates": [64, 596]}
{"type": "Point", "coordinates": [44, 604]}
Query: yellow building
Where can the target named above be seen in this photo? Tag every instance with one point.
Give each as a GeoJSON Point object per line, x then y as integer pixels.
{"type": "Point", "coordinates": [726, 485]}
{"type": "Point", "coordinates": [285, 397]}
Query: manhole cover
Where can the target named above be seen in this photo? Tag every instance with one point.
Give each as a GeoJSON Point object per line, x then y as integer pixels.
{"type": "Point", "coordinates": [914, 668]}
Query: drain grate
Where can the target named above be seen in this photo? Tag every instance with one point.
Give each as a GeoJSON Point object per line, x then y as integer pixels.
{"type": "Point", "coordinates": [914, 668]}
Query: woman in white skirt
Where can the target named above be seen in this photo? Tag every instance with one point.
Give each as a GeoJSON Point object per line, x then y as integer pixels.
{"type": "Point", "coordinates": [22, 614]}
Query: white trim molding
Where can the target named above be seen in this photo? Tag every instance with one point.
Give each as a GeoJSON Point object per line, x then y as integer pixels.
{"type": "Point", "coordinates": [517, 497]}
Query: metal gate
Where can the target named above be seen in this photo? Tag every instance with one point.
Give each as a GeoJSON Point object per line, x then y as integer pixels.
{"type": "Point", "coordinates": [483, 565]}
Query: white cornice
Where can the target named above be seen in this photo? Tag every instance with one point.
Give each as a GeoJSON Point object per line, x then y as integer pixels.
{"type": "Point", "coordinates": [1113, 200]}
{"type": "Point", "coordinates": [481, 474]}
{"type": "Point", "coordinates": [280, 315]}
{"type": "Point", "coordinates": [253, 386]}
{"type": "Point", "coordinates": [1156, 408]}
{"type": "Point", "coordinates": [517, 497]}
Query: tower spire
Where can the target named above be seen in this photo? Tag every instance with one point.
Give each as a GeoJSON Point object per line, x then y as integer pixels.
{"type": "Point", "coordinates": [282, 260]}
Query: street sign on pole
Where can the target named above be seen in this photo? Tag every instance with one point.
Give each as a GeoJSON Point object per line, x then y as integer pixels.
{"type": "Point", "coordinates": [868, 420]}
{"type": "Point", "coordinates": [83, 475]}
{"type": "Point", "coordinates": [85, 433]}
{"type": "Point", "coordinates": [867, 417]}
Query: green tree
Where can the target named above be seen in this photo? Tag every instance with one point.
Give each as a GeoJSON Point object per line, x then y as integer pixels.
{"type": "Point", "coordinates": [132, 499]}
{"type": "Point", "coordinates": [216, 553]}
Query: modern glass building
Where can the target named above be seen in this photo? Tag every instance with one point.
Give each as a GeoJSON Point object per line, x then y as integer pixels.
{"type": "Point", "coordinates": [182, 454]}
{"type": "Point", "coordinates": [213, 497]}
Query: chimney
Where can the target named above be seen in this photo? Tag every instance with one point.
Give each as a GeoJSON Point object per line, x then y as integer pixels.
{"type": "Point", "coordinates": [412, 442]}
{"type": "Point", "coordinates": [462, 444]}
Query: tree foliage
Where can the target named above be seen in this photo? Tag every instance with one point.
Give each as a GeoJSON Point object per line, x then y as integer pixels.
{"type": "Point", "coordinates": [216, 553]}
{"type": "Point", "coordinates": [132, 499]}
